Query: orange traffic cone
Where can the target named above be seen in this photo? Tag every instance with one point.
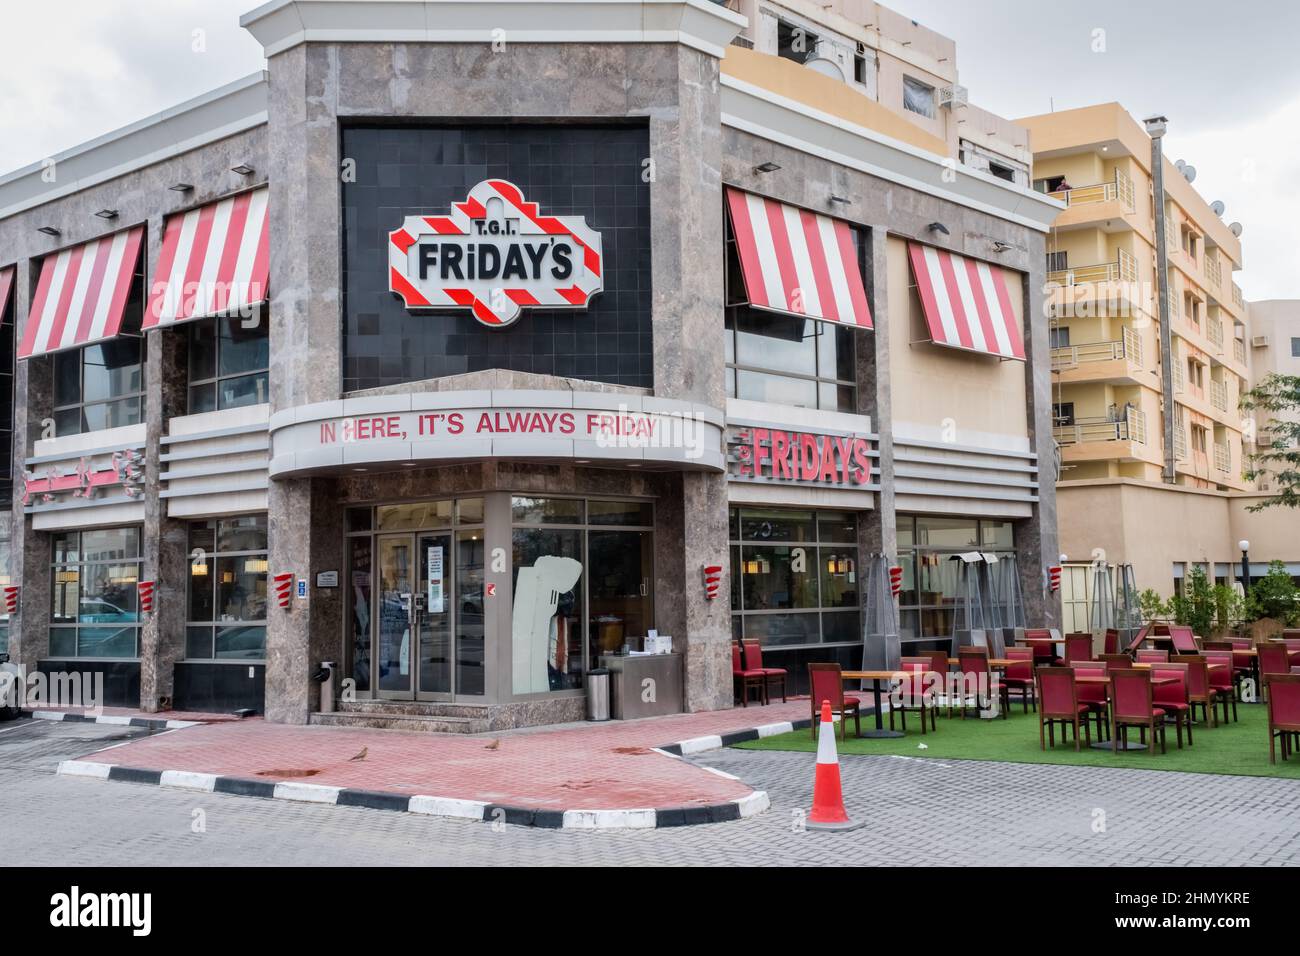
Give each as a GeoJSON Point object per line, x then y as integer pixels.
{"type": "Point", "coordinates": [828, 811]}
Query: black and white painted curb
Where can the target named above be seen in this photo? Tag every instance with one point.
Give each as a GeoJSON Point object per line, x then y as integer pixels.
{"type": "Point", "coordinates": [646, 819]}
{"type": "Point", "coordinates": [120, 720]}
{"type": "Point", "coordinates": [684, 748]}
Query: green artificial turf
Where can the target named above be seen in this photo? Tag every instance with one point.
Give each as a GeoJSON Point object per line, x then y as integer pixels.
{"type": "Point", "coordinates": [1235, 748]}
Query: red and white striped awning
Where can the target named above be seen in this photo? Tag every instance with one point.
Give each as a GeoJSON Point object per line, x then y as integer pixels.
{"type": "Point", "coordinates": [797, 262]}
{"type": "Point", "coordinates": [81, 294]}
{"type": "Point", "coordinates": [966, 302]}
{"type": "Point", "coordinates": [6, 283]}
{"type": "Point", "coordinates": [215, 259]}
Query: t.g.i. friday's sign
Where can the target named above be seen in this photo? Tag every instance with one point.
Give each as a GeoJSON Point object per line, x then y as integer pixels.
{"type": "Point", "coordinates": [495, 254]}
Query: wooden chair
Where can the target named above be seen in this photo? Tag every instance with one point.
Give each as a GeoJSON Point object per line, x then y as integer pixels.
{"type": "Point", "coordinates": [1111, 644]}
{"type": "Point", "coordinates": [754, 662]}
{"type": "Point", "coordinates": [1094, 694]}
{"type": "Point", "coordinates": [1078, 647]}
{"type": "Point", "coordinates": [974, 662]}
{"type": "Point", "coordinates": [1283, 713]}
{"type": "Point", "coordinates": [1223, 680]}
{"type": "Point", "coordinates": [1199, 691]}
{"type": "Point", "coordinates": [825, 683]}
{"type": "Point", "coordinates": [747, 680]}
{"type": "Point", "coordinates": [914, 693]}
{"type": "Point", "coordinates": [1020, 676]}
{"type": "Point", "coordinates": [1152, 656]}
{"type": "Point", "coordinates": [1131, 705]}
{"type": "Point", "coordinates": [1058, 703]}
{"type": "Point", "coordinates": [1172, 698]}
{"type": "Point", "coordinates": [1116, 660]}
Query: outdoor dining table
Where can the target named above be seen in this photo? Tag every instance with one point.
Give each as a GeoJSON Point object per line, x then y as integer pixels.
{"type": "Point", "coordinates": [876, 677]}
{"type": "Point", "coordinates": [1104, 679]}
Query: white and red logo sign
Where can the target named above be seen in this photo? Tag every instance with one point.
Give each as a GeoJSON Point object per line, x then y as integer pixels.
{"type": "Point", "coordinates": [1054, 578]}
{"type": "Point", "coordinates": [496, 254]}
{"type": "Point", "coordinates": [284, 587]}
{"type": "Point", "coordinates": [778, 454]}
{"type": "Point", "coordinates": [895, 580]}
{"type": "Point", "coordinates": [146, 596]}
{"type": "Point", "coordinates": [712, 579]}
{"type": "Point", "coordinates": [11, 599]}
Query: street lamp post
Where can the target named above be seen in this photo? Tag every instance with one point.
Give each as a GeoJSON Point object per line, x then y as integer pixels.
{"type": "Point", "coordinates": [1245, 566]}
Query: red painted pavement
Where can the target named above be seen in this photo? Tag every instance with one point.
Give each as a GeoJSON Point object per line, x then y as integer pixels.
{"type": "Point", "coordinates": [576, 767]}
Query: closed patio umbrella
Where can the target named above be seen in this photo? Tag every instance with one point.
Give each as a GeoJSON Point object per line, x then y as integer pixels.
{"type": "Point", "coordinates": [968, 619]}
{"type": "Point", "coordinates": [1102, 614]}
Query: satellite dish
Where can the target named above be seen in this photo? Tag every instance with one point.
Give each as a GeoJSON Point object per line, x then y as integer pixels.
{"type": "Point", "coordinates": [820, 64]}
{"type": "Point", "coordinates": [1217, 207]}
{"type": "Point", "coordinates": [1235, 229]}
{"type": "Point", "coordinates": [1179, 164]}
{"type": "Point", "coordinates": [1189, 173]}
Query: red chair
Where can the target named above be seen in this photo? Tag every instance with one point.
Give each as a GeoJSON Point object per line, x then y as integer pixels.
{"type": "Point", "coordinates": [1095, 694]}
{"type": "Point", "coordinates": [754, 662]}
{"type": "Point", "coordinates": [1184, 640]}
{"type": "Point", "coordinates": [1116, 660]}
{"type": "Point", "coordinates": [973, 663]}
{"type": "Point", "coordinates": [1138, 638]}
{"type": "Point", "coordinates": [1058, 703]}
{"type": "Point", "coordinates": [1044, 653]}
{"type": "Point", "coordinates": [1241, 663]}
{"type": "Point", "coordinates": [1273, 660]}
{"type": "Point", "coordinates": [825, 683]}
{"type": "Point", "coordinates": [1111, 646]}
{"type": "Point", "coordinates": [745, 679]}
{"type": "Point", "coordinates": [1078, 647]}
{"type": "Point", "coordinates": [1151, 656]}
{"type": "Point", "coordinates": [1283, 713]}
{"type": "Point", "coordinates": [1222, 676]}
{"type": "Point", "coordinates": [915, 693]}
{"type": "Point", "coordinates": [1131, 705]}
{"type": "Point", "coordinates": [939, 665]}
{"type": "Point", "coordinates": [1020, 676]}
{"type": "Point", "coordinates": [1200, 692]}
{"type": "Point", "coordinates": [1172, 698]}
{"type": "Point", "coordinates": [1292, 647]}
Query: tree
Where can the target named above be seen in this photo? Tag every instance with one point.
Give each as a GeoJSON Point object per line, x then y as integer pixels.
{"type": "Point", "coordinates": [1279, 461]}
{"type": "Point", "coordinates": [1274, 596]}
{"type": "Point", "coordinates": [1197, 605]}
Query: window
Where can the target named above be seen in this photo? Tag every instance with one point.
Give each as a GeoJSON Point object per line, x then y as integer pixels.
{"type": "Point", "coordinates": [99, 386]}
{"type": "Point", "coordinates": [93, 609]}
{"type": "Point", "coordinates": [226, 619]}
{"type": "Point", "coordinates": [784, 359]}
{"type": "Point", "coordinates": [1198, 439]}
{"type": "Point", "coordinates": [1058, 261]}
{"type": "Point", "coordinates": [794, 576]}
{"type": "Point", "coordinates": [597, 599]}
{"type": "Point", "coordinates": [926, 546]}
{"type": "Point", "coordinates": [795, 42]}
{"type": "Point", "coordinates": [1295, 347]}
{"type": "Point", "coordinates": [860, 70]}
{"type": "Point", "coordinates": [1049, 184]}
{"type": "Point", "coordinates": [1058, 337]}
{"type": "Point", "coordinates": [1002, 172]}
{"type": "Point", "coordinates": [1063, 413]}
{"type": "Point", "coordinates": [918, 97]}
{"type": "Point", "coordinates": [228, 363]}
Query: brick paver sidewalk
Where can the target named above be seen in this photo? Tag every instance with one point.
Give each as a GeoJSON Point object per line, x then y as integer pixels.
{"type": "Point", "coordinates": [604, 766]}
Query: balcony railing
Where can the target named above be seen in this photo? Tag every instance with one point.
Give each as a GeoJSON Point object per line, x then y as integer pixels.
{"type": "Point", "coordinates": [1237, 299]}
{"type": "Point", "coordinates": [1128, 347]}
{"type": "Point", "coordinates": [1180, 442]}
{"type": "Point", "coordinates": [1239, 350]}
{"type": "Point", "coordinates": [1120, 188]}
{"type": "Point", "coordinates": [1215, 330]}
{"type": "Point", "coordinates": [1219, 395]}
{"type": "Point", "coordinates": [1180, 376]}
{"type": "Point", "coordinates": [1222, 458]}
{"type": "Point", "coordinates": [1131, 428]}
{"type": "Point", "coordinates": [1123, 269]}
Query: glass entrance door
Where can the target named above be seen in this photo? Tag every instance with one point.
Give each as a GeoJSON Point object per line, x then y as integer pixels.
{"type": "Point", "coordinates": [435, 620]}
{"type": "Point", "coordinates": [395, 663]}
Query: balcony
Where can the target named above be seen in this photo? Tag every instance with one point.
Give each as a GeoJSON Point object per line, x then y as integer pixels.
{"type": "Point", "coordinates": [1119, 190]}
{"type": "Point", "coordinates": [1081, 431]}
{"type": "Point", "coordinates": [1114, 361]}
{"type": "Point", "coordinates": [1180, 442]}
{"type": "Point", "coordinates": [1215, 329]}
{"type": "Point", "coordinates": [1239, 350]}
{"type": "Point", "coordinates": [1237, 299]}
{"type": "Point", "coordinates": [1123, 269]}
{"type": "Point", "coordinates": [1219, 395]}
{"type": "Point", "coordinates": [1213, 271]}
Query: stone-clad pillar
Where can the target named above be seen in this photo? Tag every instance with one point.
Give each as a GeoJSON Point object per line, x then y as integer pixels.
{"type": "Point", "coordinates": [1037, 542]}
{"type": "Point", "coordinates": [305, 523]}
{"type": "Point", "coordinates": [879, 530]}
{"type": "Point", "coordinates": [30, 557]}
{"type": "Point", "coordinates": [163, 540]}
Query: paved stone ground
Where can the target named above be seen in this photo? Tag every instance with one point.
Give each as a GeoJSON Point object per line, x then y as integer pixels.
{"type": "Point", "coordinates": [917, 812]}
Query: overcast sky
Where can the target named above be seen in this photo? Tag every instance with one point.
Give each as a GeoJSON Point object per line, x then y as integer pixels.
{"type": "Point", "coordinates": [1227, 76]}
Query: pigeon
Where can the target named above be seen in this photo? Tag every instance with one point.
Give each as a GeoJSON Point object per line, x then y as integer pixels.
{"type": "Point", "coordinates": [494, 745]}
{"type": "Point", "coordinates": [361, 755]}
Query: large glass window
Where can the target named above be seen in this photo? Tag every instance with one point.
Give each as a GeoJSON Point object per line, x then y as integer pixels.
{"type": "Point", "coordinates": [227, 593]}
{"type": "Point", "coordinates": [794, 576]}
{"type": "Point", "coordinates": [926, 549]}
{"type": "Point", "coordinates": [93, 596]}
{"type": "Point", "coordinates": [228, 362]}
{"type": "Point", "coordinates": [784, 359]}
{"type": "Point", "coordinates": [583, 586]}
{"type": "Point", "coordinates": [99, 386]}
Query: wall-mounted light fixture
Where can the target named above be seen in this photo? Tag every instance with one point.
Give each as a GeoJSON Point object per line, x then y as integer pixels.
{"type": "Point", "coordinates": [1000, 246]}
{"type": "Point", "coordinates": [181, 187]}
{"type": "Point", "coordinates": [843, 200]}
{"type": "Point", "coordinates": [107, 214]}
{"type": "Point", "coordinates": [938, 227]}
{"type": "Point", "coordinates": [243, 169]}
{"type": "Point", "coordinates": [767, 167]}
{"type": "Point", "coordinates": [49, 230]}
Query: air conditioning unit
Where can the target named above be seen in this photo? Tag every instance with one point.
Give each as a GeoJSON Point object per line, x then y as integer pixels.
{"type": "Point", "coordinates": [1259, 341]}
{"type": "Point", "coordinates": [953, 96]}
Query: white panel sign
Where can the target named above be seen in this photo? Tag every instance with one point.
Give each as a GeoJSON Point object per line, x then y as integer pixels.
{"type": "Point", "coordinates": [435, 602]}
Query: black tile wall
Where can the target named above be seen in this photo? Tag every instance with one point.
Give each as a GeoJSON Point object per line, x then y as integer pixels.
{"type": "Point", "coordinates": [594, 171]}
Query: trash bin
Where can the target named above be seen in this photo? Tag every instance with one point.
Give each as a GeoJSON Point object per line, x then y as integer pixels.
{"type": "Point", "coordinates": [598, 694]}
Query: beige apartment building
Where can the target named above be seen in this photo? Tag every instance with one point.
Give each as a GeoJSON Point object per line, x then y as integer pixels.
{"type": "Point", "coordinates": [1109, 396]}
